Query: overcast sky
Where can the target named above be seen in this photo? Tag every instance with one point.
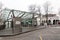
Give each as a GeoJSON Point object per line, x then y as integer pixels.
{"type": "Point", "coordinates": [24, 4]}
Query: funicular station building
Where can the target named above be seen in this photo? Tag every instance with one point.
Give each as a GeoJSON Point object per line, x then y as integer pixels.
{"type": "Point", "coordinates": [15, 20]}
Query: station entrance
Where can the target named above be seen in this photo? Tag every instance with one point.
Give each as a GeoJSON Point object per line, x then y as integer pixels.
{"type": "Point", "coordinates": [55, 21]}
{"type": "Point", "coordinates": [17, 20]}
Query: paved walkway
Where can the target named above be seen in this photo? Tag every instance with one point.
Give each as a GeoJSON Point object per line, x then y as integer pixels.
{"type": "Point", "coordinates": [24, 29]}
{"type": "Point", "coordinates": [49, 33]}
{"type": "Point", "coordinates": [9, 31]}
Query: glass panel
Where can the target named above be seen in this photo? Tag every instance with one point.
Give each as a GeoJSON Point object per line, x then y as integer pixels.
{"type": "Point", "coordinates": [27, 15]}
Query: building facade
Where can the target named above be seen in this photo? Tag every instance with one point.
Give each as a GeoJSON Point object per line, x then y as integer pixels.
{"type": "Point", "coordinates": [52, 19]}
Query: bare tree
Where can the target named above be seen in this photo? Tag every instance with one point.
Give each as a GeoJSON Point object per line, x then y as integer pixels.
{"type": "Point", "coordinates": [39, 11]}
{"type": "Point", "coordinates": [46, 7]}
{"type": "Point", "coordinates": [59, 13]}
{"type": "Point", "coordinates": [32, 9]}
{"type": "Point", "coordinates": [1, 5]}
{"type": "Point", "coordinates": [35, 9]}
{"type": "Point", "coordinates": [0, 9]}
{"type": "Point", "coordinates": [2, 15]}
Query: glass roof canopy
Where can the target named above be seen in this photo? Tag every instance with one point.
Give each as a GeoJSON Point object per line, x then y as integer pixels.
{"type": "Point", "coordinates": [17, 13]}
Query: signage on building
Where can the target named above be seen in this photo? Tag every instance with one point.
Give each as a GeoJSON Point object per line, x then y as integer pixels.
{"type": "Point", "coordinates": [17, 22]}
